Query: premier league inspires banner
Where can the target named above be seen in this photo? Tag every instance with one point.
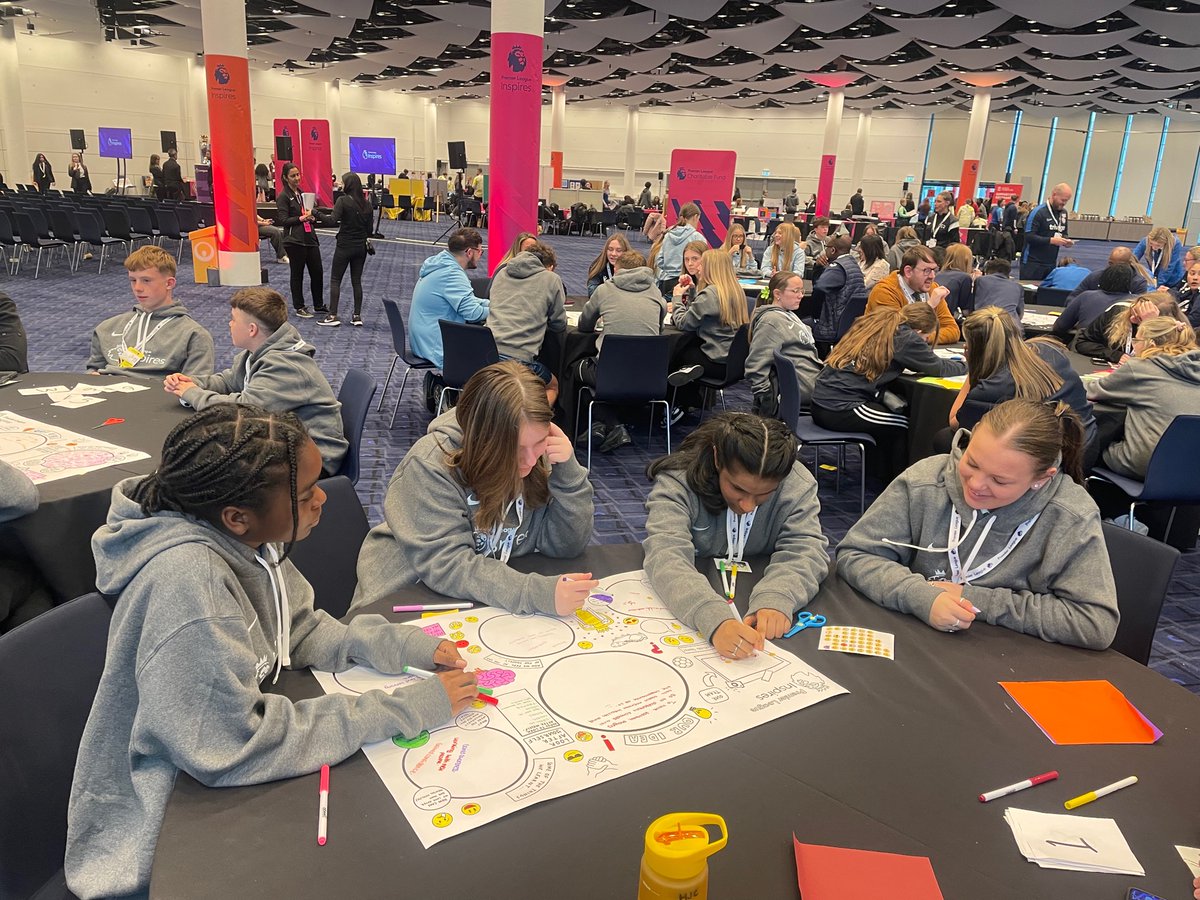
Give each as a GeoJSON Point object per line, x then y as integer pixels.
{"type": "Point", "coordinates": [703, 177]}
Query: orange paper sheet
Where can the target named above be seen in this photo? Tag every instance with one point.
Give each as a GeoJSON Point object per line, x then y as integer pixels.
{"type": "Point", "coordinates": [1082, 712]}
{"type": "Point", "coordinates": [839, 873]}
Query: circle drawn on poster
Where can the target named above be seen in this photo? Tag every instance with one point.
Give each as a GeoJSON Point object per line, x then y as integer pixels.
{"type": "Point", "coordinates": [641, 693]}
{"type": "Point", "coordinates": [526, 637]}
{"type": "Point", "coordinates": [635, 597]}
{"type": "Point", "coordinates": [467, 764]}
{"type": "Point", "coordinates": [12, 442]}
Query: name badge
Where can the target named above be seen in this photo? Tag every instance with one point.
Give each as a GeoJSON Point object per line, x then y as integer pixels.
{"type": "Point", "coordinates": [130, 357]}
{"type": "Point", "coordinates": [931, 242]}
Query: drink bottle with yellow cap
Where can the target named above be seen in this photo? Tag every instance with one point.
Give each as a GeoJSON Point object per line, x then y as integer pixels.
{"type": "Point", "coordinates": [675, 864]}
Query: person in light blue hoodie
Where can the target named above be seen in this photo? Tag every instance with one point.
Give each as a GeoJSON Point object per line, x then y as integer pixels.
{"type": "Point", "coordinates": [668, 261]}
{"type": "Point", "coordinates": [1066, 275]}
{"type": "Point", "coordinates": [444, 291]}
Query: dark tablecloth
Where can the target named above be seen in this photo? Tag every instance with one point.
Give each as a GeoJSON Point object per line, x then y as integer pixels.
{"type": "Point", "coordinates": [896, 765]}
{"type": "Point", "coordinates": [57, 538]}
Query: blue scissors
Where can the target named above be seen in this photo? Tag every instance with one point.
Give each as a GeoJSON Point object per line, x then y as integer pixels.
{"type": "Point", "coordinates": [805, 620]}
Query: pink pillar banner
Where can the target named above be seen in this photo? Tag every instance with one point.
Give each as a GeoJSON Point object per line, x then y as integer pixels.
{"type": "Point", "coordinates": [316, 160]}
{"type": "Point", "coordinates": [515, 139]}
{"type": "Point", "coordinates": [968, 181]}
{"type": "Point", "coordinates": [289, 128]}
{"type": "Point", "coordinates": [703, 177]}
{"type": "Point", "coordinates": [228, 79]}
{"type": "Point", "coordinates": [825, 183]}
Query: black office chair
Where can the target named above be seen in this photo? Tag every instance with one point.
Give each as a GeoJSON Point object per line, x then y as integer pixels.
{"type": "Point", "coordinates": [400, 345]}
{"type": "Point", "coordinates": [358, 388]}
{"type": "Point", "coordinates": [465, 350]}
{"type": "Point", "coordinates": [1048, 296]}
{"type": "Point", "coordinates": [404, 201]}
{"type": "Point", "coordinates": [328, 557]}
{"type": "Point", "coordinates": [12, 257]}
{"type": "Point", "coordinates": [50, 668]}
{"type": "Point", "coordinates": [168, 225]}
{"type": "Point", "coordinates": [91, 232]}
{"type": "Point", "coordinates": [31, 241]}
{"type": "Point", "coordinates": [66, 229]}
{"type": "Point", "coordinates": [735, 367]}
{"type": "Point", "coordinates": [854, 308]}
{"type": "Point", "coordinates": [1142, 568]}
{"type": "Point", "coordinates": [630, 369]}
{"type": "Point", "coordinates": [116, 223]}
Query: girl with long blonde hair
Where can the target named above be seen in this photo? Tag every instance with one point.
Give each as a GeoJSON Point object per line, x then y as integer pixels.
{"type": "Point", "coordinates": [737, 248]}
{"type": "Point", "coordinates": [786, 253]}
{"type": "Point", "coordinates": [1110, 335]}
{"type": "Point", "coordinates": [604, 266]}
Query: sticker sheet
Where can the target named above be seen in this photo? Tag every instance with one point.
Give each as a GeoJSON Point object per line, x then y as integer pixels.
{"type": "Point", "coordinates": [852, 639]}
{"type": "Point", "coordinates": [617, 687]}
{"type": "Point", "coordinates": [46, 453]}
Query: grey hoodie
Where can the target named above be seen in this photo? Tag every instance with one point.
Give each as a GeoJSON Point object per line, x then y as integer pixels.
{"type": "Point", "coordinates": [18, 495]}
{"type": "Point", "coordinates": [281, 376]}
{"type": "Point", "coordinates": [197, 630]}
{"type": "Point", "coordinates": [679, 528]}
{"type": "Point", "coordinates": [775, 328]}
{"type": "Point", "coordinates": [703, 316]}
{"type": "Point", "coordinates": [1056, 583]}
{"type": "Point", "coordinates": [668, 263]}
{"type": "Point", "coordinates": [526, 300]}
{"type": "Point", "coordinates": [181, 344]}
{"type": "Point", "coordinates": [629, 302]}
{"type": "Point", "coordinates": [428, 533]}
{"type": "Point", "coordinates": [1153, 391]}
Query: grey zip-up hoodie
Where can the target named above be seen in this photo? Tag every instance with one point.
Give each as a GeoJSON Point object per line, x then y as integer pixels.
{"type": "Point", "coordinates": [703, 316]}
{"type": "Point", "coordinates": [679, 528]}
{"type": "Point", "coordinates": [428, 534]}
{"type": "Point", "coordinates": [630, 304]}
{"type": "Point", "coordinates": [281, 376]}
{"type": "Point", "coordinates": [181, 345]}
{"type": "Point", "coordinates": [774, 328]}
{"type": "Point", "coordinates": [1056, 583]}
{"type": "Point", "coordinates": [669, 261]}
{"type": "Point", "coordinates": [526, 301]}
{"type": "Point", "coordinates": [197, 630]}
{"type": "Point", "coordinates": [1153, 391]}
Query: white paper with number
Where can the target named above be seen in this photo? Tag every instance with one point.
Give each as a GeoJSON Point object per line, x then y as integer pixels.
{"type": "Point", "coordinates": [1077, 843]}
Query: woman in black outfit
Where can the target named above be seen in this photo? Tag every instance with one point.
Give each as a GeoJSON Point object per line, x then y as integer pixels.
{"type": "Point", "coordinates": [81, 181]}
{"type": "Point", "coordinates": [300, 241]}
{"type": "Point", "coordinates": [43, 175]}
{"type": "Point", "coordinates": [353, 212]}
{"type": "Point", "coordinates": [156, 176]}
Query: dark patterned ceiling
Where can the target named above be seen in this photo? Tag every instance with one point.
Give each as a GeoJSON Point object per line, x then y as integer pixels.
{"type": "Point", "coordinates": [1104, 56]}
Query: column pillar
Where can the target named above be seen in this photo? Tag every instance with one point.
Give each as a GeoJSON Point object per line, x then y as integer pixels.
{"type": "Point", "coordinates": [227, 80]}
{"type": "Point", "coordinates": [833, 131]}
{"type": "Point", "coordinates": [431, 123]}
{"type": "Point", "coordinates": [981, 105]}
{"type": "Point", "coordinates": [631, 140]}
{"type": "Point", "coordinates": [860, 149]}
{"type": "Point", "coordinates": [516, 121]}
{"type": "Point", "coordinates": [558, 128]}
{"type": "Point", "coordinates": [333, 113]}
{"type": "Point", "coordinates": [18, 160]}
{"type": "Point", "coordinates": [195, 112]}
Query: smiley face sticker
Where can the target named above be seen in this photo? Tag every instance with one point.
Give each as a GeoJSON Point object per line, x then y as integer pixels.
{"type": "Point", "coordinates": [572, 756]}
{"type": "Point", "coordinates": [585, 645]}
{"type": "Point", "coordinates": [441, 820]}
{"type": "Point", "coordinates": [470, 809]}
{"type": "Point", "coordinates": [583, 736]}
{"type": "Point", "coordinates": [474, 648]}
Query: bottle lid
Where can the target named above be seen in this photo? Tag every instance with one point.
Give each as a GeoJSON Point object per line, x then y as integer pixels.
{"type": "Point", "coordinates": [678, 844]}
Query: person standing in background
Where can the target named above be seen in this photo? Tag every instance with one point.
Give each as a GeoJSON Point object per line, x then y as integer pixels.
{"type": "Point", "coordinates": [300, 241]}
{"type": "Point", "coordinates": [172, 188]}
{"type": "Point", "coordinates": [156, 176]}
{"type": "Point", "coordinates": [1045, 232]}
{"type": "Point", "coordinates": [353, 212]}
{"type": "Point", "coordinates": [81, 182]}
{"type": "Point", "coordinates": [43, 174]}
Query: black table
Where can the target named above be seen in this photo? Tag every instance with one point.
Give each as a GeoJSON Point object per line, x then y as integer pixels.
{"type": "Point", "coordinates": [57, 538]}
{"type": "Point", "coordinates": [897, 766]}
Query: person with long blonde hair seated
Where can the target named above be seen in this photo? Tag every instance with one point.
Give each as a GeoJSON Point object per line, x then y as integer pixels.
{"type": "Point", "coordinates": [521, 243]}
{"type": "Point", "coordinates": [604, 266]}
{"type": "Point", "coordinates": [737, 248]}
{"type": "Point", "coordinates": [957, 275]}
{"type": "Point", "coordinates": [715, 315]}
{"type": "Point", "coordinates": [1161, 380]}
{"type": "Point", "coordinates": [786, 253]}
{"type": "Point", "coordinates": [1110, 335]}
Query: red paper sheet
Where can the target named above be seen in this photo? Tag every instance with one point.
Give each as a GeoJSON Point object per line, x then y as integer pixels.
{"type": "Point", "coordinates": [1082, 712]}
{"type": "Point", "coordinates": [839, 873]}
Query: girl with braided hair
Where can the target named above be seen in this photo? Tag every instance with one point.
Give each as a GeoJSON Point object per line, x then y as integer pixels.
{"type": "Point", "coordinates": [209, 607]}
{"type": "Point", "coordinates": [730, 491]}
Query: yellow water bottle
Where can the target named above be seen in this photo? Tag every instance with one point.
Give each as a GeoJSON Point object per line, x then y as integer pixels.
{"type": "Point", "coordinates": [675, 864]}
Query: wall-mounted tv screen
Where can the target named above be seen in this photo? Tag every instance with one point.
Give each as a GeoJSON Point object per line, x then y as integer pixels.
{"type": "Point", "coordinates": [116, 143]}
{"type": "Point", "coordinates": [373, 155]}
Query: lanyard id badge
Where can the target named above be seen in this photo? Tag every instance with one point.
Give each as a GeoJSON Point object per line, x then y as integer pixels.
{"type": "Point", "coordinates": [502, 547]}
{"type": "Point", "coordinates": [737, 530]}
{"type": "Point", "coordinates": [130, 357]}
{"type": "Point", "coordinates": [307, 225]}
{"type": "Point", "coordinates": [133, 354]}
{"type": "Point", "coordinates": [957, 575]}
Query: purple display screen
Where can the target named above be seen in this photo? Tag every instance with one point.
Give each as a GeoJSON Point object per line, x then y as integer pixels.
{"type": "Point", "coordinates": [116, 143]}
{"type": "Point", "coordinates": [373, 155]}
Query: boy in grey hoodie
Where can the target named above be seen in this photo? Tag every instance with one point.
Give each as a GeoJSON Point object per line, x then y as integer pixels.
{"type": "Point", "coordinates": [275, 370]}
{"type": "Point", "coordinates": [159, 336]}
{"type": "Point", "coordinates": [1054, 581]}
{"type": "Point", "coordinates": [528, 299]}
{"type": "Point", "coordinates": [206, 614]}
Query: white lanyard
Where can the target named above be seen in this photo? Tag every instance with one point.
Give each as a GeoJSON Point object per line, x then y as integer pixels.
{"type": "Point", "coordinates": [957, 576]}
{"type": "Point", "coordinates": [737, 529]}
{"type": "Point", "coordinates": [140, 346]}
{"type": "Point", "coordinates": [938, 226]}
{"type": "Point", "coordinates": [504, 547]}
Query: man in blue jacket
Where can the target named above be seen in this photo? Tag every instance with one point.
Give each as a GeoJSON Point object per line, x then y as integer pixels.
{"type": "Point", "coordinates": [444, 291]}
{"type": "Point", "coordinates": [1045, 232]}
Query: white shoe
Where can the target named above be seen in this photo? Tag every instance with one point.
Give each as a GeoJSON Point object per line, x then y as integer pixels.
{"type": "Point", "coordinates": [283, 259]}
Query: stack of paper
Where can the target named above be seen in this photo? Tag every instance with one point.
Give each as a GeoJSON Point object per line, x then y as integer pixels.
{"type": "Point", "coordinates": [1038, 320]}
{"type": "Point", "coordinates": [1077, 843]}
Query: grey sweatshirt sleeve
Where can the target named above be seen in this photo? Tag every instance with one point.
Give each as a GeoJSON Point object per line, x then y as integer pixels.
{"type": "Point", "coordinates": [557, 320]}
{"type": "Point", "coordinates": [1120, 389]}
{"type": "Point", "coordinates": [18, 495]}
{"type": "Point", "coordinates": [691, 317]}
{"type": "Point", "coordinates": [589, 316]}
{"type": "Point", "coordinates": [96, 360]}
{"type": "Point", "coordinates": [913, 353]}
{"type": "Point", "coordinates": [800, 560]}
{"type": "Point", "coordinates": [1077, 603]}
{"type": "Point", "coordinates": [200, 353]}
{"type": "Point", "coordinates": [765, 339]}
{"type": "Point", "coordinates": [881, 571]}
{"type": "Point", "coordinates": [277, 383]}
{"type": "Point", "coordinates": [671, 558]}
{"type": "Point", "coordinates": [222, 382]}
{"type": "Point", "coordinates": [565, 526]}
{"type": "Point", "coordinates": [425, 512]}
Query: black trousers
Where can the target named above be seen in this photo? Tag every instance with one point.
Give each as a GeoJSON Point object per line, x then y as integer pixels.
{"type": "Point", "coordinates": [355, 260]}
{"type": "Point", "coordinates": [889, 457]}
{"type": "Point", "coordinates": [300, 257]}
{"type": "Point", "coordinates": [691, 353]}
{"type": "Point", "coordinates": [1035, 271]}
